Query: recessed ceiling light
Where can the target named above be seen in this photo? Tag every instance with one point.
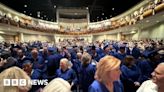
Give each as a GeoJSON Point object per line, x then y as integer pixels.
{"type": "Point", "coordinates": [97, 17]}
{"type": "Point", "coordinates": [54, 6]}
{"type": "Point", "coordinates": [102, 13]}
{"type": "Point", "coordinates": [147, 21]}
{"type": "Point", "coordinates": [44, 15]}
{"type": "Point", "coordinates": [24, 11]}
{"type": "Point", "coordinates": [38, 15]}
{"type": "Point", "coordinates": [75, 13]}
{"type": "Point", "coordinates": [87, 8]}
{"type": "Point", "coordinates": [25, 5]}
{"type": "Point", "coordinates": [30, 13]}
{"type": "Point", "coordinates": [110, 15]}
{"type": "Point", "coordinates": [113, 9]}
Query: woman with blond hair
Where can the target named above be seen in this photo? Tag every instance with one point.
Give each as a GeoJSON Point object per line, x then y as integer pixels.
{"type": "Point", "coordinates": [107, 76]}
{"type": "Point", "coordinates": [14, 73]}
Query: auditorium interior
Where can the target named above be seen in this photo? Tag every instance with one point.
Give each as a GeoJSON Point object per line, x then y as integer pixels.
{"type": "Point", "coordinates": [57, 32]}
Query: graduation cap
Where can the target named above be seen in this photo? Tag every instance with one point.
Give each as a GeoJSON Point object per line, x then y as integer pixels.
{"type": "Point", "coordinates": [27, 62]}
{"type": "Point", "coordinates": [152, 53]}
{"type": "Point", "coordinates": [122, 46]}
{"type": "Point", "coordinates": [106, 46]}
{"type": "Point", "coordinates": [93, 47]}
{"type": "Point", "coordinates": [51, 49]}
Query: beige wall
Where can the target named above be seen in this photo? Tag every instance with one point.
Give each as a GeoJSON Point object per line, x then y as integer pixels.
{"type": "Point", "coordinates": [44, 38]}
{"type": "Point", "coordinates": [99, 37]}
{"type": "Point", "coordinates": [4, 37]}
{"type": "Point", "coordinates": [103, 37]}
{"type": "Point", "coordinates": [112, 37]}
{"type": "Point", "coordinates": [155, 32]}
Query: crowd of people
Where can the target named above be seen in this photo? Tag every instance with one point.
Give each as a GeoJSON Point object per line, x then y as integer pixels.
{"type": "Point", "coordinates": [79, 66]}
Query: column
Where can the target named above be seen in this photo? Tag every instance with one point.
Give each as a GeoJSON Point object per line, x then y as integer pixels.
{"type": "Point", "coordinates": [21, 37]}
{"type": "Point", "coordinates": [119, 36]}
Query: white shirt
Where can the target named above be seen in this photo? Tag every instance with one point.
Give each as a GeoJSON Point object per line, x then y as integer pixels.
{"type": "Point", "coordinates": [148, 86]}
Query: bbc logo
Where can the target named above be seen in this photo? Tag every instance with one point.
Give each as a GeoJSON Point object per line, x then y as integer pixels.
{"type": "Point", "coordinates": [14, 82]}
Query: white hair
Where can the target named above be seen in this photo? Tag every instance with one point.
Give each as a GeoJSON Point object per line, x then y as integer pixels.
{"type": "Point", "coordinates": [57, 85]}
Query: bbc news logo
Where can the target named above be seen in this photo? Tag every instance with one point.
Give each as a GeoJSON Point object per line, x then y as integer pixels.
{"type": "Point", "coordinates": [23, 82]}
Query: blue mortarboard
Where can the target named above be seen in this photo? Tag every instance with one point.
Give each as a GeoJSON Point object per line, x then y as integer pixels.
{"type": "Point", "coordinates": [152, 53]}
{"type": "Point", "coordinates": [105, 47]}
{"type": "Point", "coordinates": [27, 62]}
{"type": "Point", "coordinates": [51, 49]}
{"type": "Point", "coordinates": [93, 47]}
{"type": "Point", "coordinates": [122, 46]}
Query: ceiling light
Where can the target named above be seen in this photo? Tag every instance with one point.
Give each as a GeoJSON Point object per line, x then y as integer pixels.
{"type": "Point", "coordinates": [24, 11]}
{"type": "Point", "coordinates": [30, 13]}
{"type": "Point", "coordinates": [87, 8]}
{"type": "Point", "coordinates": [113, 9]}
{"type": "Point", "coordinates": [147, 21]}
{"type": "Point", "coordinates": [54, 6]}
{"type": "Point", "coordinates": [110, 15]}
{"type": "Point", "coordinates": [157, 21]}
{"type": "Point", "coordinates": [1, 32]}
{"type": "Point", "coordinates": [44, 15]}
{"type": "Point", "coordinates": [25, 5]}
{"type": "Point", "coordinates": [38, 15]}
{"type": "Point", "coordinates": [102, 13]}
{"type": "Point", "coordinates": [75, 13]}
{"type": "Point", "coordinates": [133, 32]}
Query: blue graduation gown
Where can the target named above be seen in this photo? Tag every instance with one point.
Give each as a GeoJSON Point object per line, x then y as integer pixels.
{"type": "Point", "coordinates": [136, 52]}
{"type": "Point", "coordinates": [53, 64]}
{"type": "Point", "coordinates": [38, 63]}
{"type": "Point", "coordinates": [36, 74]}
{"type": "Point", "coordinates": [21, 61]}
{"type": "Point", "coordinates": [129, 76]}
{"type": "Point", "coordinates": [86, 73]}
{"type": "Point", "coordinates": [146, 67]}
{"type": "Point", "coordinates": [120, 56]}
{"type": "Point", "coordinates": [96, 86]}
{"type": "Point", "coordinates": [76, 66]}
{"type": "Point", "coordinates": [68, 75]}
